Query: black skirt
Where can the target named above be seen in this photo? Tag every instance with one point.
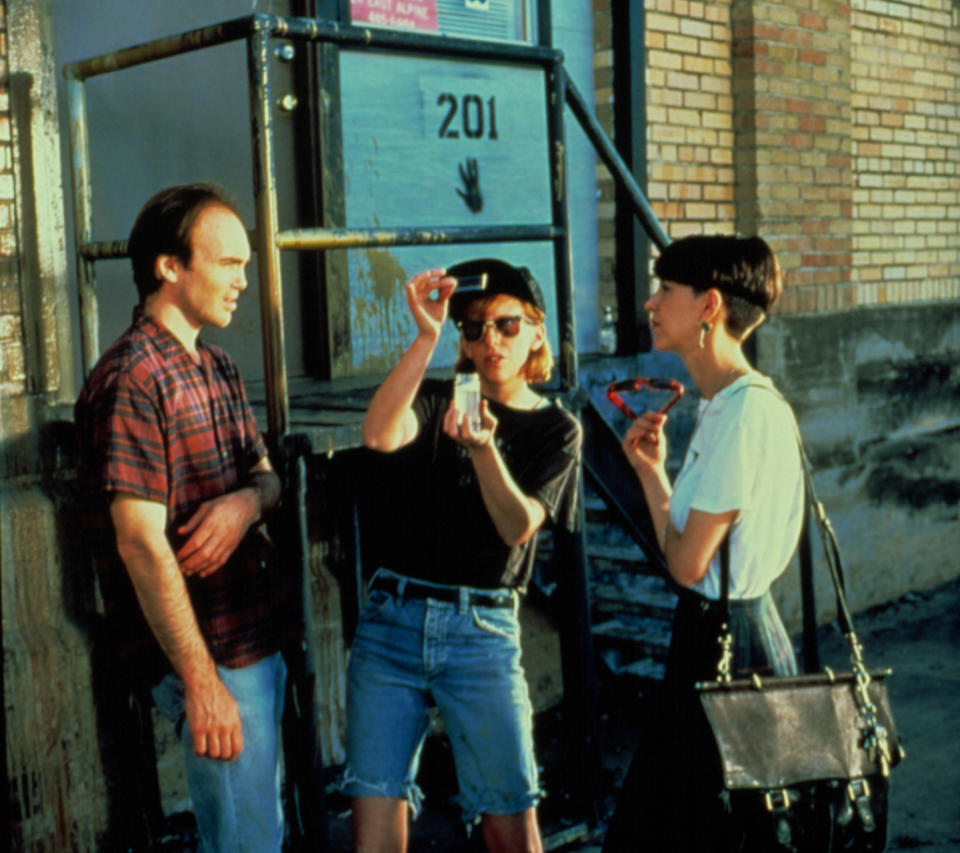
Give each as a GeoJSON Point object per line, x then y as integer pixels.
{"type": "Point", "coordinates": [760, 642]}
{"type": "Point", "coordinates": [670, 799]}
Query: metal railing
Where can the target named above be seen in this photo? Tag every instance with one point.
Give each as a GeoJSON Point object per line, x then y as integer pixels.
{"type": "Point", "coordinates": [269, 240]}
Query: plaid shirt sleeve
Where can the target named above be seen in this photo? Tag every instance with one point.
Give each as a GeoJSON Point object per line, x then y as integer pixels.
{"type": "Point", "coordinates": [129, 439]}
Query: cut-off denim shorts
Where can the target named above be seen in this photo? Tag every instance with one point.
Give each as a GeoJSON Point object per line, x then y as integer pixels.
{"type": "Point", "coordinates": [411, 653]}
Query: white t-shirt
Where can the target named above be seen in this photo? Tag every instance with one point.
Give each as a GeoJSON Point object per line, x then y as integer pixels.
{"type": "Point", "coordinates": [743, 456]}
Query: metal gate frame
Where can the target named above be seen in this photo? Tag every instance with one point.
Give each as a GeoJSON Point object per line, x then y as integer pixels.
{"type": "Point", "coordinates": [269, 240]}
{"type": "Point", "coordinates": [258, 31]}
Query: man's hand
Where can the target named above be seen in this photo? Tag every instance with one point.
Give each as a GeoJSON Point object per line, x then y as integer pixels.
{"type": "Point", "coordinates": [215, 530]}
{"type": "Point", "coordinates": [214, 720]}
{"type": "Point", "coordinates": [212, 713]}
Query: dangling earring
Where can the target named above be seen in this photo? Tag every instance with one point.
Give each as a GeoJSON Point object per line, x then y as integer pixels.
{"type": "Point", "coordinates": [704, 331]}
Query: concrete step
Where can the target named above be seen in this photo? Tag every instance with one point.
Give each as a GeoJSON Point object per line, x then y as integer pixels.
{"type": "Point", "coordinates": [616, 552]}
{"type": "Point", "coordinates": [604, 607]}
{"type": "Point", "coordinates": [645, 669]}
{"type": "Point", "coordinates": [613, 591]}
{"type": "Point", "coordinates": [636, 637]}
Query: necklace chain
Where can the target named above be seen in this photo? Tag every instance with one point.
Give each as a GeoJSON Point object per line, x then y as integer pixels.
{"type": "Point", "coordinates": [723, 384]}
{"type": "Point", "coordinates": [734, 371]}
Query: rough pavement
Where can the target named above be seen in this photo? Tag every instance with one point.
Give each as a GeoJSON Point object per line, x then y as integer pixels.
{"type": "Point", "coordinates": [918, 636]}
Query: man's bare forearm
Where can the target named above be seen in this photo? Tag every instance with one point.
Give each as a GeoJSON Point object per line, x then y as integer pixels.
{"type": "Point", "coordinates": [213, 716]}
{"type": "Point", "coordinates": [162, 593]}
{"type": "Point", "coordinates": [160, 587]}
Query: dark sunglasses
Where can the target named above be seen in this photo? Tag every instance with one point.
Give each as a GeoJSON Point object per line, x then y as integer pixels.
{"type": "Point", "coordinates": [642, 383]}
{"type": "Point", "coordinates": [508, 327]}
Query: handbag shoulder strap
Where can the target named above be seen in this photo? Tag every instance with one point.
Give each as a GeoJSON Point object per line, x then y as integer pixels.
{"type": "Point", "coordinates": [812, 507]}
{"type": "Point", "coordinates": [876, 738]}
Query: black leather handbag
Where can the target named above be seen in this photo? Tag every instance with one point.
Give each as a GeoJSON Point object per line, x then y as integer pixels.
{"type": "Point", "coordinates": [805, 759]}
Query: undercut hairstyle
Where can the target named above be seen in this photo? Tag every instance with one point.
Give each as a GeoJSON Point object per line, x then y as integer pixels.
{"type": "Point", "coordinates": [163, 228]}
{"type": "Point", "coordinates": [539, 364]}
{"type": "Point", "coordinates": [744, 269]}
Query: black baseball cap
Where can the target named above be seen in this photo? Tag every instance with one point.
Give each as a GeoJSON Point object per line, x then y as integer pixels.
{"type": "Point", "coordinates": [501, 278]}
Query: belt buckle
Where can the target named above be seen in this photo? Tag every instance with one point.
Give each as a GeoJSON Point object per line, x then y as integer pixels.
{"type": "Point", "coordinates": [390, 585]}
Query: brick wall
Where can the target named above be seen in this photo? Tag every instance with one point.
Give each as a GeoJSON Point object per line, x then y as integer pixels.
{"type": "Point", "coordinates": [832, 129]}
{"type": "Point", "coordinates": [603, 106]}
{"type": "Point", "coordinates": [792, 152]}
{"type": "Point", "coordinates": [690, 135]}
{"type": "Point", "coordinates": [906, 149]}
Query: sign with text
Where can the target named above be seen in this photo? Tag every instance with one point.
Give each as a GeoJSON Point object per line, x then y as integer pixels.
{"type": "Point", "coordinates": [434, 142]}
{"type": "Point", "coordinates": [398, 14]}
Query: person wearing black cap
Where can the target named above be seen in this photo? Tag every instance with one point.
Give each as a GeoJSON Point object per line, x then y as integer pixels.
{"type": "Point", "coordinates": [740, 486]}
{"type": "Point", "coordinates": [440, 621]}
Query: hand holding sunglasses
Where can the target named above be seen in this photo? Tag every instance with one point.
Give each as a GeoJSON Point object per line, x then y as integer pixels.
{"type": "Point", "coordinates": [641, 383]}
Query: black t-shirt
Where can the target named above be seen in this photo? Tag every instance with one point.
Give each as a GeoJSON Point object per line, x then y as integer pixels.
{"type": "Point", "coordinates": [438, 527]}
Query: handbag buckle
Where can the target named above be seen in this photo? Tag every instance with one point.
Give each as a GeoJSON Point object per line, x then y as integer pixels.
{"type": "Point", "coordinates": [770, 799]}
{"type": "Point", "coordinates": [858, 789]}
{"type": "Point", "coordinates": [859, 792]}
{"type": "Point", "coordinates": [726, 655]}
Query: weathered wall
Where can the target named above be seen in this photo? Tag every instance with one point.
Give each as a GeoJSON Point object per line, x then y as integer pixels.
{"type": "Point", "coordinates": [877, 394]}
{"type": "Point", "coordinates": [57, 793]}
{"type": "Point", "coordinates": [689, 120]}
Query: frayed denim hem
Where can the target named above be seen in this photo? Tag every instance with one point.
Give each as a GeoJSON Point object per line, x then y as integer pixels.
{"type": "Point", "coordinates": [351, 785]}
{"type": "Point", "coordinates": [473, 812]}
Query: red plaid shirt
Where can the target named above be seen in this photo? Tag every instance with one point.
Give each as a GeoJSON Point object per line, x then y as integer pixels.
{"type": "Point", "coordinates": [154, 424]}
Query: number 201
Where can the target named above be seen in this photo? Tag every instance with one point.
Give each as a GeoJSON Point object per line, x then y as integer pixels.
{"type": "Point", "coordinates": [472, 112]}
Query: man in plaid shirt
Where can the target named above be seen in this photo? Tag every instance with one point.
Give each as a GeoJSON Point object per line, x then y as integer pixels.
{"type": "Point", "coordinates": [177, 481]}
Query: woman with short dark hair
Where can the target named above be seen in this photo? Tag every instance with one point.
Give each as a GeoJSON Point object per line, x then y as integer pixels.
{"type": "Point", "coordinates": [740, 488]}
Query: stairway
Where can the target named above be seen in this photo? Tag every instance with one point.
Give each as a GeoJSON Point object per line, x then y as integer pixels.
{"type": "Point", "coordinates": [631, 607]}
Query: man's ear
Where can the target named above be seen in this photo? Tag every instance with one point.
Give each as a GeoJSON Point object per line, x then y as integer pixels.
{"type": "Point", "coordinates": [166, 268]}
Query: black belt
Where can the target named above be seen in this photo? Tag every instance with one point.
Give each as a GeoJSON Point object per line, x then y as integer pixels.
{"type": "Point", "coordinates": [450, 594]}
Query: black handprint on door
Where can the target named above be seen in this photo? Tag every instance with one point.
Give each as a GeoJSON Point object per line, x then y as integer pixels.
{"type": "Point", "coordinates": [470, 176]}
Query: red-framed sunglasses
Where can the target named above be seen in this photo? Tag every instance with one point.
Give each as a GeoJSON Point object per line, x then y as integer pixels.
{"type": "Point", "coordinates": [642, 383]}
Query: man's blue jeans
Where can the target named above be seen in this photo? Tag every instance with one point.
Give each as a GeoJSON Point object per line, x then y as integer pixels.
{"type": "Point", "coordinates": [237, 803]}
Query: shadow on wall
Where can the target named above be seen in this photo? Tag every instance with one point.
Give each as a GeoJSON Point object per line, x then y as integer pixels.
{"type": "Point", "coordinates": [917, 462]}
{"type": "Point", "coordinates": [877, 396]}
{"type": "Point", "coordinates": [74, 769]}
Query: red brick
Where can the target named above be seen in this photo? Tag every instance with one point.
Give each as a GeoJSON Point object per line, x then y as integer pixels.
{"type": "Point", "coordinates": [812, 57]}
{"type": "Point", "coordinates": [812, 22]}
{"type": "Point", "coordinates": [814, 124]}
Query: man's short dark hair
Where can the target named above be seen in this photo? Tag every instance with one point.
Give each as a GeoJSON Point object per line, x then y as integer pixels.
{"type": "Point", "coordinates": [163, 228]}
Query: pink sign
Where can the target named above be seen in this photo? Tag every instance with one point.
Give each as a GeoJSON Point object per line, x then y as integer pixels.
{"type": "Point", "coordinates": [400, 14]}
